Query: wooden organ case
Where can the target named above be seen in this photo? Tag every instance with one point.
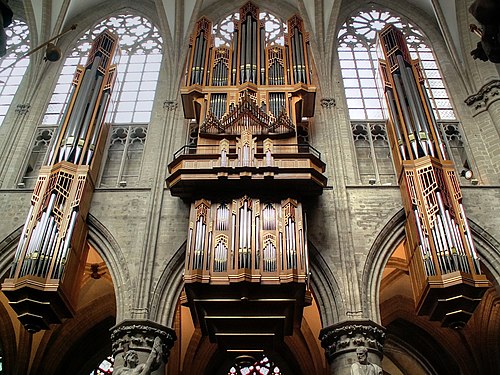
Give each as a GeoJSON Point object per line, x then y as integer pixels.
{"type": "Point", "coordinates": [444, 267]}
{"type": "Point", "coordinates": [246, 170]}
{"type": "Point", "coordinates": [48, 265]}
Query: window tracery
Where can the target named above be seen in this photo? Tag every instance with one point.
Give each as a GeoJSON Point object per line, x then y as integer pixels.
{"type": "Point", "coordinates": [274, 27]}
{"type": "Point", "coordinates": [359, 65]}
{"type": "Point", "coordinates": [124, 155]}
{"type": "Point", "coordinates": [105, 367]}
{"type": "Point", "coordinates": [138, 70]}
{"type": "Point", "coordinates": [17, 45]}
{"type": "Point", "coordinates": [365, 101]}
{"type": "Point", "coordinates": [261, 367]}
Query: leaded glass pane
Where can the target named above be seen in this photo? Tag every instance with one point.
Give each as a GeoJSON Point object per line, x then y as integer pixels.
{"type": "Point", "coordinates": [357, 50]}
{"type": "Point", "coordinates": [10, 76]}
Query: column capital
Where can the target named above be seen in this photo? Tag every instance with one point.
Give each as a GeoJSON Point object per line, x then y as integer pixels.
{"type": "Point", "coordinates": [143, 337]}
{"type": "Point", "coordinates": [345, 337]}
{"type": "Point", "coordinates": [327, 102]}
{"type": "Point", "coordinates": [170, 105]}
{"type": "Point", "coordinates": [487, 94]}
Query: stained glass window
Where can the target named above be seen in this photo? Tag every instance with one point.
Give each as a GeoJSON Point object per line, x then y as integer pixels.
{"type": "Point", "coordinates": [105, 367]}
{"type": "Point", "coordinates": [138, 70]}
{"type": "Point", "coordinates": [11, 76]}
{"type": "Point", "coordinates": [359, 65]}
{"type": "Point", "coordinates": [263, 366]}
{"type": "Point", "coordinates": [275, 29]}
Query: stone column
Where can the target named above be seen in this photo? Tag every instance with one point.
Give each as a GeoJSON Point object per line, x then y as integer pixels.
{"type": "Point", "coordinates": [149, 340]}
{"type": "Point", "coordinates": [484, 135]}
{"type": "Point", "coordinates": [340, 342]}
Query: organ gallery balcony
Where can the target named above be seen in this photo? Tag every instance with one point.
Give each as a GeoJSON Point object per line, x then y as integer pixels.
{"type": "Point", "coordinates": [296, 170]}
{"type": "Point", "coordinates": [247, 149]}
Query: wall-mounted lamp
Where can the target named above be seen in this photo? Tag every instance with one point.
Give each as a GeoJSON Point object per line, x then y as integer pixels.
{"type": "Point", "coordinates": [467, 174]}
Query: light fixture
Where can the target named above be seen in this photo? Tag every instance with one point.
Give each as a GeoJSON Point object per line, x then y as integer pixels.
{"type": "Point", "coordinates": [52, 53]}
{"type": "Point", "coordinates": [52, 50]}
{"type": "Point", "coordinates": [372, 181]}
{"type": "Point", "coordinates": [123, 183]}
{"type": "Point", "coordinates": [467, 174]}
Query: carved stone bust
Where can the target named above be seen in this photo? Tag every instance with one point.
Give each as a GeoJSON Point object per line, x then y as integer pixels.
{"type": "Point", "coordinates": [363, 366]}
{"type": "Point", "coordinates": [132, 366]}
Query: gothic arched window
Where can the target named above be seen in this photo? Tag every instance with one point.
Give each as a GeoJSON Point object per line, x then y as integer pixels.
{"type": "Point", "coordinates": [358, 58]}
{"type": "Point", "coordinates": [105, 367]}
{"type": "Point", "coordinates": [138, 70]}
{"type": "Point", "coordinates": [11, 76]}
{"type": "Point", "coordinates": [133, 95]}
{"type": "Point", "coordinates": [263, 366]}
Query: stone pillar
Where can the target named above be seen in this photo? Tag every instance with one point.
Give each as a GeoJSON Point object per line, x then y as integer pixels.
{"type": "Point", "coordinates": [483, 136]}
{"type": "Point", "coordinates": [340, 342]}
{"type": "Point", "coordinates": [149, 340]}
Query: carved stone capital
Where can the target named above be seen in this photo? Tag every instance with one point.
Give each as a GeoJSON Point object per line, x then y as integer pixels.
{"type": "Point", "coordinates": [347, 336]}
{"type": "Point", "coordinates": [139, 335]}
{"type": "Point", "coordinates": [170, 105]}
{"type": "Point", "coordinates": [22, 109]}
{"type": "Point", "coordinates": [327, 102]}
{"type": "Point", "coordinates": [486, 95]}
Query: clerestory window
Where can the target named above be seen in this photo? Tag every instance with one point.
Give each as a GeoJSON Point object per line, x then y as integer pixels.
{"type": "Point", "coordinates": [365, 101]}
{"type": "Point", "coordinates": [130, 109]}
{"type": "Point", "coordinates": [264, 366]}
{"type": "Point", "coordinates": [11, 74]}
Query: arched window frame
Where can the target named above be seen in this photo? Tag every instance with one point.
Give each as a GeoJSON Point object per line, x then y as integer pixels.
{"type": "Point", "coordinates": [18, 44]}
{"type": "Point", "coordinates": [262, 366]}
{"type": "Point", "coordinates": [130, 109]}
{"type": "Point", "coordinates": [365, 101]}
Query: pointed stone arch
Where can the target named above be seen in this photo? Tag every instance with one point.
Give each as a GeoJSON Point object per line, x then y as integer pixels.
{"type": "Point", "coordinates": [388, 239]}
{"type": "Point", "coordinates": [168, 288]}
{"type": "Point", "coordinates": [108, 248]}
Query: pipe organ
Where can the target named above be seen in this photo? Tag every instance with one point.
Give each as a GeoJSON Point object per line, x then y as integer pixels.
{"type": "Point", "coordinates": [48, 265]}
{"type": "Point", "coordinates": [265, 238]}
{"type": "Point", "coordinates": [444, 266]}
{"type": "Point", "coordinates": [245, 174]}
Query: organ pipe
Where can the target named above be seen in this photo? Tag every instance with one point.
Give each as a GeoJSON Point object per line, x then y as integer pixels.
{"type": "Point", "coordinates": [249, 58]}
{"type": "Point", "coordinates": [254, 230]}
{"type": "Point", "coordinates": [52, 248]}
{"type": "Point", "coordinates": [439, 243]}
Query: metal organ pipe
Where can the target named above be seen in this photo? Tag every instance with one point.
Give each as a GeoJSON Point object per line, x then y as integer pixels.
{"type": "Point", "coordinates": [412, 104]}
{"type": "Point", "coordinates": [234, 60]}
{"type": "Point", "coordinates": [22, 241]}
{"type": "Point", "coordinates": [397, 126]}
{"type": "Point", "coordinates": [195, 60]}
{"type": "Point", "coordinates": [97, 127]}
{"type": "Point", "coordinates": [254, 51]}
{"type": "Point", "coordinates": [202, 59]}
{"type": "Point", "coordinates": [302, 66]}
{"type": "Point", "coordinates": [243, 51]}
{"type": "Point", "coordinates": [88, 117]}
{"type": "Point", "coordinates": [295, 57]}
{"type": "Point", "coordinates": [82, 100]}
{"type": "Point", "coordinates": [406, 116]}
{"type": "Point", "coordinates": [419, 109]}
{"type": "Point", "coordinates": [248, 48]}
{"type": "Point", "coordinates": [262, 56]}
